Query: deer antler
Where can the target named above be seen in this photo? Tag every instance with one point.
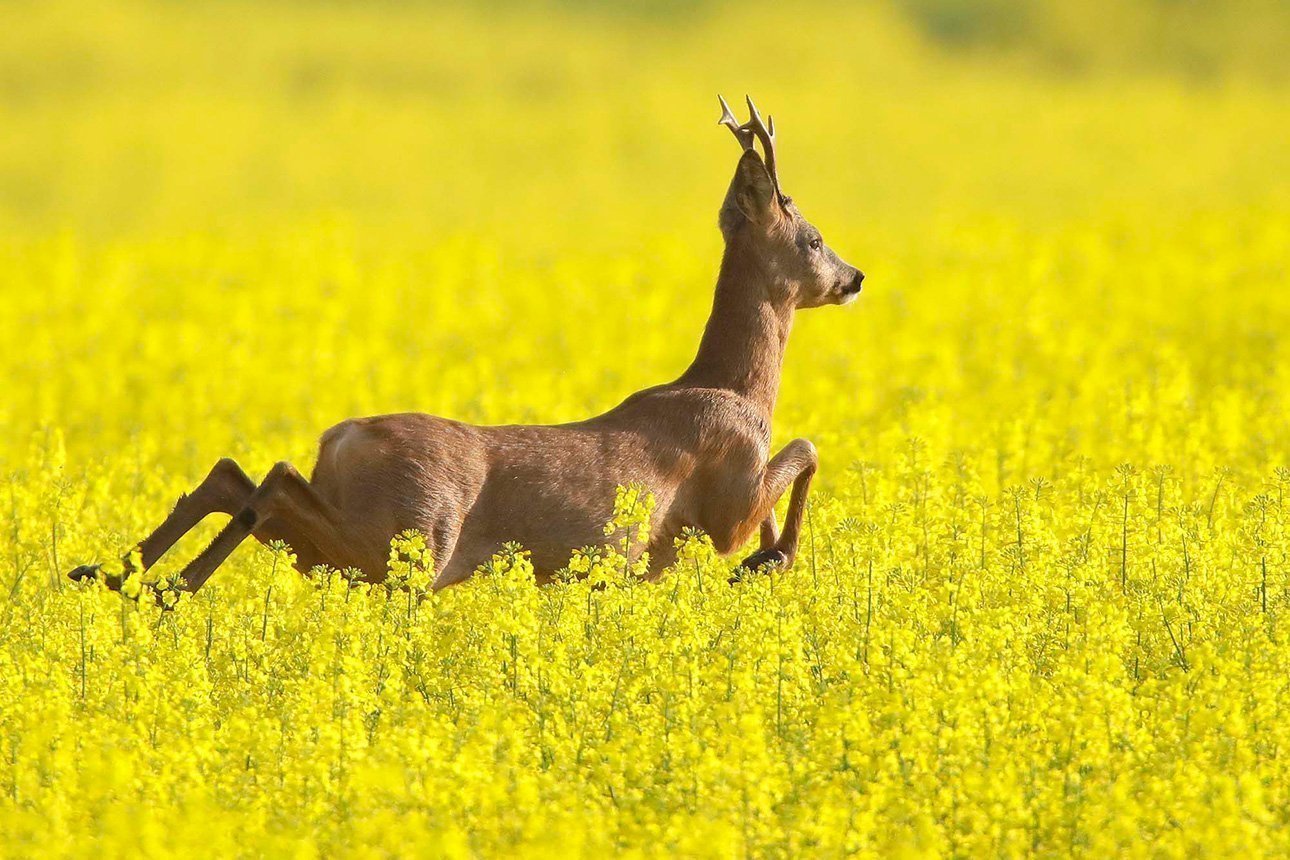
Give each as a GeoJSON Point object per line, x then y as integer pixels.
{"type": "Point", "coordinates": [742, 134]}
{"type": "Point", "coordinates": [751, 131]}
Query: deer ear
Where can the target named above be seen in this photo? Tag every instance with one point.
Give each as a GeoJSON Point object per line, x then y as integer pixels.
{"type": "Point", "coordinates": [754, 193]}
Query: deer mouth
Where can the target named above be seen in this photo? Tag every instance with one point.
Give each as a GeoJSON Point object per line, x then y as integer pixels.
{"type": "Point", "coordinates": [847, 293]}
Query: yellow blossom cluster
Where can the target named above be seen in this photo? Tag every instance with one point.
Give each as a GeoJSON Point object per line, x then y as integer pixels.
{"type": "Point", "coordinates": [1042, 600]}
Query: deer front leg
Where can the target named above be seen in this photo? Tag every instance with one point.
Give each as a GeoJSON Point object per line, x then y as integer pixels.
{"type": "Point", "coordinates": [769, 532]}
{"type": "Point", "coordinates": [795, 465]}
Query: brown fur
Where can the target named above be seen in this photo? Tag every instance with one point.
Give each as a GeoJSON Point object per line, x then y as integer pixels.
{"type": "Point", "coordinates": [700, 444]}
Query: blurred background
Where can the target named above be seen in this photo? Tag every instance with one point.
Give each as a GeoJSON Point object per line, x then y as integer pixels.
{"type": "Point", "coordinates": [258, 218]}
{"type": "Point", "coordinates": [516, 118]}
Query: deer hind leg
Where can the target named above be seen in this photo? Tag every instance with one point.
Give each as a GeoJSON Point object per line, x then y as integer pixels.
{"type": "Point", "coordinates": [793, 466]}
{"type": "Point", "coordinates": [226, 489]}
{"type": "Point", "coordinates": [450, 567]}
{"type": "Point", "coordinates": [284, 506]}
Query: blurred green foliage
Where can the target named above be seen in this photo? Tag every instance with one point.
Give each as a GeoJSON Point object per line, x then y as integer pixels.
{"type": "Point", "coordinates": [1196, 38]}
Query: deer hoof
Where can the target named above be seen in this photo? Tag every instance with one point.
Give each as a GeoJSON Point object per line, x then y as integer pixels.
{"type": "Point", "coordinates": [85, 571]}
{"type": "Point", "coordinates": [769, 559]}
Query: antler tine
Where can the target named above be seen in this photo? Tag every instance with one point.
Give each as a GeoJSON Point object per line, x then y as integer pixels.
{"type": "Point", "coordinates": [767, 137]}
{"type": "Point", "coordinates": [743, 135]}
{"type": "Point", "coordinates": [752, 131]}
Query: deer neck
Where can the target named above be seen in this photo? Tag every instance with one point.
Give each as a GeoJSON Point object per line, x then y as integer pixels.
{"type": "Point", "coordinates": [743, 344]}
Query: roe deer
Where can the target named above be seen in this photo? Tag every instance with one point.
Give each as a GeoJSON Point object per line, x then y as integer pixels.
{"type": "Point", "coordinates": [700, 444]}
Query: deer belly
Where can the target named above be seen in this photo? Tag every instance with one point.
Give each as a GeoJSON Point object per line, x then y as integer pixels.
{"type": "Point", "coordinates": [548, 513]}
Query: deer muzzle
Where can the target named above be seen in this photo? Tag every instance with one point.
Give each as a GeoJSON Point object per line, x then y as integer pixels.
{"type": "Point", "coordinates": [850, 289]}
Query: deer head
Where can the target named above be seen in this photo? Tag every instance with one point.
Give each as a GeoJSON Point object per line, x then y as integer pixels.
{"type": "Point", "coordinates": [763, 225]}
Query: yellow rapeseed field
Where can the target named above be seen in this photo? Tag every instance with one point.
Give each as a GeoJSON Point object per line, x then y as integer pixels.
{"type": "Point", "coordinates": [1043, 600]}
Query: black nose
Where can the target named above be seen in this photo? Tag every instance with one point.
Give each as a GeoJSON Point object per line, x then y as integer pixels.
{"type": "Point", "coordinates": [856, 280]}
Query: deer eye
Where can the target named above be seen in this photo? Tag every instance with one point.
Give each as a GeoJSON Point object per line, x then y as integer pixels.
{"type": "Point", "coordinates": [816, 244]}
